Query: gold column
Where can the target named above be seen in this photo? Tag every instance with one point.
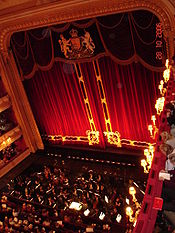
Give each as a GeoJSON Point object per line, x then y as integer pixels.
{"type": "Point", "coordinates": [21, 106]}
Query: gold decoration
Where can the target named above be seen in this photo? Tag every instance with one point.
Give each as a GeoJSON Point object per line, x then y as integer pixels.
{"type": "Point", "coordinates": [166, 73]}
{"type": "Point", "coordinates": [113, 138]}
{"type": "Point", "coordinates": [85, 96]}
{"type": "Point", "coordinates": [103, 98]}
{"type": "Point", "coordinates": [144, 165]}
{"type": "Point", "coordinates": [153, 118]}
{"type": "Point", "coordinates": [77, 46]}
{"type": "Point", "coordinates": [161, 88]}
{"type": "Point", "coordinates": [84, 139]}
{"type": "Point", "coordinates": [150, 128]}
{"type": "Point", "coordinates": [153, 128]}
{"type": "Point", "coordinates": [129, 212]}
{"type": "Point", "coordinates": [93, 137]}
{"type": "Point", "coordinates": [72, 12]}
{"type": "Point", "coordinates": [159, 105]}
{"type": "Point", "coordinates": [149, 154]}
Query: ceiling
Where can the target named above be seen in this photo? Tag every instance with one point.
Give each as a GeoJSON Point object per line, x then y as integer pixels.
{"type": "Point", "coordinates": [24, 14]}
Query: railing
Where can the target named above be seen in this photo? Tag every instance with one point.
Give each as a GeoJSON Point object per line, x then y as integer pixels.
{"type": "Point", "coordinates": [148, 214]}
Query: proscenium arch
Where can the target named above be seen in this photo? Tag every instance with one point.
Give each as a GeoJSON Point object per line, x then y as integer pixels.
{"type": "Point", "coordinates": [59, 13]}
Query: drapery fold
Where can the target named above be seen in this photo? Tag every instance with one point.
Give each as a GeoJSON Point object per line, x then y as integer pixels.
{"type": "Point", "coordinates": [59, 108]}
{"type": "Point", "coordinates": [126, 38]}
{"type": "Point", "coordinates": [56, 101]}
{"type": "Point", "coordinates": [131, 95]}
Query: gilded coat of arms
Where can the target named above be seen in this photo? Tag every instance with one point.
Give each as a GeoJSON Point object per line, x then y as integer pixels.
{"type": "Point", "coordinates": [77, 46]}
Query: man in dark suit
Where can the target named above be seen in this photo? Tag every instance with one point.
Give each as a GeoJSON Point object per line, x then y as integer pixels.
{"type": "Point", "coordinates": [168, 191]}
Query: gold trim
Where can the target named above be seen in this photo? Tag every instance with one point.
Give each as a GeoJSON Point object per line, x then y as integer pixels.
{"type": "Point", "coordinates": [60, 13]}
{"type": "Point", "coordinates": [68, 138]}
{"type": "Point", "coordinates": [102, 96]}
{"type": "Point", "coordinates": [112, 137]}
{"type": "Point", "coordinates": [4, 103]}
{"type": "Point", "coordinates": [85, 96]}
{"type": "Point", "coordinates": [93, 134]}
{"type": "Point", "coordinates": [21, 106]}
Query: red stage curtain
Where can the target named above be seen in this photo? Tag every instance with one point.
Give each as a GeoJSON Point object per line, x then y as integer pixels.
{"type": "Point", "coordinates": [59, 108]}
{"type": "Point", "coordinates": [132, 91]}
{"type": "Point", "coordinates": [95, 102]}
{"type": "Point", "coordinates": [57, 101]}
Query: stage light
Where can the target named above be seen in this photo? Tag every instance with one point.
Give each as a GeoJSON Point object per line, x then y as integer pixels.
{"type": "Point", "coordinates": [75, 206]}
{"type": "Point", "coordinates": [86, 212]}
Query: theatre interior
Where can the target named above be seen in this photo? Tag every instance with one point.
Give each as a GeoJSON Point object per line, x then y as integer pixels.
{"type": "Point", "coordinates": [87, 116]}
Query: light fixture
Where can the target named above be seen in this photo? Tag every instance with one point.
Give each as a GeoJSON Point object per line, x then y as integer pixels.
{"type": "Point", "coordinates": [132, 192]}
{"type": "Point", "coordinates": [129, 212]}
{"type": "Point", "coordinates": [160, 104]}
{"type": "Point", "coordinates": [149, 154]}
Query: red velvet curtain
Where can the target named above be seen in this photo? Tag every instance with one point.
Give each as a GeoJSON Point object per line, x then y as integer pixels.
{"type": "Point", "coordinates": [94, 100]}
{"type": "Point", "coordinates": [57, 101]}
{"type": "Point", "coordinates": [59, 108]}
{"type": "Point", "coordinates": [132, 91]}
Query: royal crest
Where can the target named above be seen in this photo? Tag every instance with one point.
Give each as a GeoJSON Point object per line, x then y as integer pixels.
{"type": "Point", "coordinates": [77, 46]}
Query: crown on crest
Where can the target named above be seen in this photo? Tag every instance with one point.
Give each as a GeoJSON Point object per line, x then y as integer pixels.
{"type": "Point", "coordinates": [73, 33]}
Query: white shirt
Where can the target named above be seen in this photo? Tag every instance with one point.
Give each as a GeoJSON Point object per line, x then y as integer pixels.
{"type": "Point", "coordinates": [168, 165]}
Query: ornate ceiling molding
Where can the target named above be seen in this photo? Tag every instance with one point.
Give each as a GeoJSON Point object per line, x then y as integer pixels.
{"type": "Point", "coordinates": [57, 13]}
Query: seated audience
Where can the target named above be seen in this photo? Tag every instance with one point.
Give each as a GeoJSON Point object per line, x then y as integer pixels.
{"type": "Point", "coordinates": [41, 200]}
